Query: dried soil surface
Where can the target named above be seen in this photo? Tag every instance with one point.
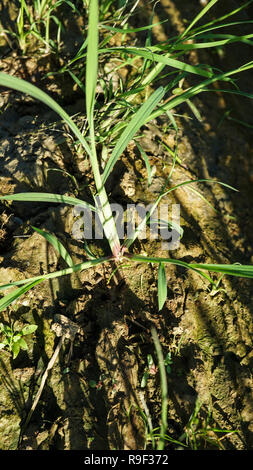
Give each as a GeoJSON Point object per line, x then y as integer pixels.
{"type": "Point", "coordinates": [209, 335]}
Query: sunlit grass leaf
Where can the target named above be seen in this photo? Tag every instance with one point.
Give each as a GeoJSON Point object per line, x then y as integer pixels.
{"type": "Point", "coordinates": [228, 39]}
{"type": "Point", "coordinates": [164, 59]}
{"type": "Point", "coordinates": [26, 87]}
{"type": "Point", "coordinates": [146, 161]}
{"type": "Point", "coordinates": [151, 259]}
{"type": "Point", "coordinates": [201, 87]}
{"type": "Point", "coordinates": [211, 24]}
{"type": "Point", "coordinates": [62, 272]}
{"type": "Point", "coordinates": [134, 125]}
{"type": "Point", "coordinates": [230, 269]}
{"type": "Point", "coordinates": [76, 79]}
{"type": "Point", "coordinates": [131, 30]}
{"type": "Point", "coordinates": [47, 197]}
{"type": "Point", "coordinates": [198, 17]}
{"type": "Point", "coordinates": [162, 286]}
{"type": "Point", "coordinates": [9, 298]}
{"type": "Point", "coordinates": [201, 32]}
{"type": "Point", "coordinates": [163, 224]}
{"type": "Point", "coordinates": [57, 245]}
{"type": "Point", "coordinates": [92, 59]}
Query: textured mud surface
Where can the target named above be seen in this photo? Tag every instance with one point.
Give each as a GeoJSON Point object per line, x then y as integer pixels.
{"type": "Point", "coordinates": [93, 396]}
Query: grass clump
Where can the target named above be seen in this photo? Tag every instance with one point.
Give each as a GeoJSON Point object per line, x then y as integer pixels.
{"type": "Point", "coordinates": [119, 121]}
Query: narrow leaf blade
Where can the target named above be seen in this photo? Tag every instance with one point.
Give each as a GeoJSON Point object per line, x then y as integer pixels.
{"type": "Point", "coordinates": [56, 244]}
{"type": "Point", "coordinates": [134, 125]}
{"type": "Point", "coordinates": [62, 272]}
{"type": "Point", "coordinates": [46, 197]}
{"type": "Point", "coordinates": [199, 16]}
{"type": "Point", "coordinates": [146, 161]}
{"type": "Point", "coordinates": [26, 87]}
{"type": "Point", "coordinates": [230, 269]}
{"type": "Point", "coordinates": [162, 286]}
{"type": "Point", "coordinates": [9, 298]}
{"type": "Point", "coordinates": [92, 59]}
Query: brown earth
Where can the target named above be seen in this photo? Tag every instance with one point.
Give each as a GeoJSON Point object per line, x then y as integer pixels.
{"type": "Point", "coordinates": [208, 334]}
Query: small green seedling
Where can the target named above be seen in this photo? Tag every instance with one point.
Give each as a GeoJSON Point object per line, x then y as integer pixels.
{"type": "Point", "coordinates": [14, 340]}
{"type": "Point", "coordinates": [215, 287]}
{"type": "Point", "coordinates": [168, 362]}
{"type": "Point", "coordinates": [98, 384]}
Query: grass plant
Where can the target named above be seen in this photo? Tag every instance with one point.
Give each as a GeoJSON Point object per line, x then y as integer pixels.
{"type": "Point", "coordinates": [34, 21]}
{"type": "Point", "coordinates": [120, 119]}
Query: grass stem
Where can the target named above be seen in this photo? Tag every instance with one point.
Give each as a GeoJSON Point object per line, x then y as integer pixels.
{"type": "Point", "coordinates": [164, 389]}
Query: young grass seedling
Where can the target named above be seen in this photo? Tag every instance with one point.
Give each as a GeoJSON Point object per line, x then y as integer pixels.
{"type": "Point", "coordinates": [34, 21]}
{"type": "Point", "coordinates": [200, 433]}
{"type": "Point", "coordinates": [164, 389]}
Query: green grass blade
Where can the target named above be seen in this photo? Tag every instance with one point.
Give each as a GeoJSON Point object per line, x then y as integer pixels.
{"type": "Point", "coordinates": [65, 173]}
{"type": "Point", "coordinates": [132, 30]}
{"type": "Point", "coordinates": [202, 32]}
{"type": "Point", "coordinates": [9, 298]}
{"type": "Point", "coordinates": [62, 272]}
{"type": "Point", "coordinates": [76, 79]}
{"type": "Point", "coordinates": [164, 389]}
{"type": "Point", "coordinates": [202, 197]}
{"type": "Point", "coordinates": [221, 42]}
{"type": "Point", "coordinates": [164, 59]}
{"type": "Point", "coordinates": [230, 269]}
{"type": "Point", "coordinates": [92, 59]}
{"type": "Point", "coordinates": [134, 125]}
{"type": "Point", "coordinates": [197, 18]}
{"type": "Point", "coordinates": [233, 92]}
{"type": "Point", "coordinates": [26, 87]}
{"type": "Point", "coordinates": [146, 161]}
{"type": "Point", "coordinates": [191, 92]}
{"type": "Point", "coordinates": [47, 197]}
{"type": "Point", "coordinates": [151, 259]}
{"type": "Point", "coordinates": [171, 224]}
{"type": "Point", "coordinates": [57, 245]}
{"type": "Point", "coordinates": [105, 212]}
{"type": "Point", "coordinates": [162, 286]}
{"type": "Point", "coordinates": [221, 18]}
